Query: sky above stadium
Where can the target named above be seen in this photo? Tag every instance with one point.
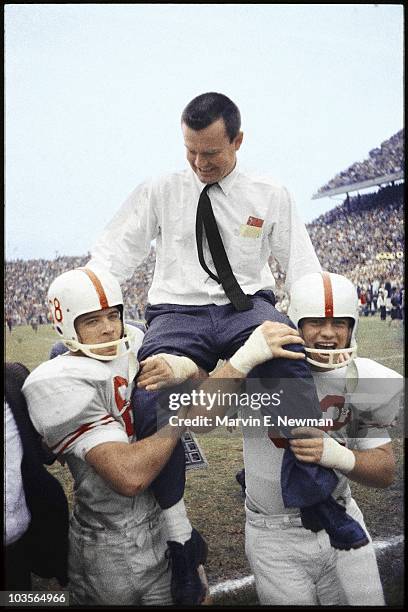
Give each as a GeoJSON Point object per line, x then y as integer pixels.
{"type": "Point", "coordinates": [94, 93]}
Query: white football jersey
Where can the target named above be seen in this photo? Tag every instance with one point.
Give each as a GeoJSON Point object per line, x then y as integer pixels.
{"type": "Point", "coordinates": [76, 403]}
{"type": "Point", "coordinates": [263, 456]}
{"type": "Point", "coordinates": [363, 400]}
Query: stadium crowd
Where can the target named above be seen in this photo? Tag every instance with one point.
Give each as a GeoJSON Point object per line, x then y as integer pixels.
{"type": "Point", "coordinates": [383, 161]}
{"type": "Point", "coordinates": [27, 284]}
{"type": "Point", "coordinates": [350, 238]}
{"type": "Point", "coordinates": [362, 238]}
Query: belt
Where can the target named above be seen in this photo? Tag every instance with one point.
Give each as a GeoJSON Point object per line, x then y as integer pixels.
{"type": "Point", "coordinates": [283, 521]}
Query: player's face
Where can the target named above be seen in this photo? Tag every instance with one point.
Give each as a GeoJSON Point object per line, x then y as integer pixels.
{"type": "Point", "coordinates": [327, 334]}
{"type": "Point", "coordinates": [210, 153]}
{"type": "Point", "coordinates": [98, 327]}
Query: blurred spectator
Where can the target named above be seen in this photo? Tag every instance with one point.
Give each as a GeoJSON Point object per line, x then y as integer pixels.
{"type": "Point", "coordinates": [36, 509]}
{"type": "Point", "coordinates": [395, 305]}
{"type": "Point", "coordinates": [363, 302]}
{"type": "Point", "coordinates": [381, 305]}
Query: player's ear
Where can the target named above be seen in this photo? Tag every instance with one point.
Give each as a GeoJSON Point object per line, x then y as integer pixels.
{"type": "Point", "coordinates": [238, 140]}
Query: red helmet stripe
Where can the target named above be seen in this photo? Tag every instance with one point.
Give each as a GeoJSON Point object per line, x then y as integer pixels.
{"type": "Point", "coordinates": [103, 300]}
{"type": "Point", "coordinates": [328, 295]}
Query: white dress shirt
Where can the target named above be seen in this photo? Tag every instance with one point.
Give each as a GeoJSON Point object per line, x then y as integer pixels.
{"type": "Point", "coordinates": [18, 516]}
{"type": "Point", "coordinates": [256, 218]}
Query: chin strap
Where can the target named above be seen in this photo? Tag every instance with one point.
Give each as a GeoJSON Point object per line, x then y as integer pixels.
{"type": "Point", "coordinates": [123, 346]}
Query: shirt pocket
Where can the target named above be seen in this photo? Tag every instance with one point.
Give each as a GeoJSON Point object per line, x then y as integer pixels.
{"type": "Point", "coordinates": [246, 251]}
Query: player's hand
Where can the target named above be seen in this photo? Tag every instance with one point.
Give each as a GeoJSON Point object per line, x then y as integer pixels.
{"type": "Point", "coordinates": [265, 343]}
{"type": "Point", "coordinates": [163, 370]}
{"type": "Point", "coordinates": [278, 335]}
{"type": "Point", "coordinates": [319, 447]}
{"type": "Point", "coordinates": [309, 446]}
{"type": "Point", "coordinates": [155, 373]}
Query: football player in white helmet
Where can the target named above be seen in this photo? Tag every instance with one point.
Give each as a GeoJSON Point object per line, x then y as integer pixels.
{"type": "Point", "coordinates": [291, 564]}
{"type": "Point", "coordinates": [82, 402]}
{"type": "Point", "coordinates": [324, 306]}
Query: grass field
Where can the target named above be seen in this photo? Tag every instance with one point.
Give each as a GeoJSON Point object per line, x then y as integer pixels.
{"type": "Point", "coordinates": [213, 497]}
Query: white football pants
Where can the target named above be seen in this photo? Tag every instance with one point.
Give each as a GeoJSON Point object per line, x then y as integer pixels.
{"type": "Point", "coordinates": [294, 566]}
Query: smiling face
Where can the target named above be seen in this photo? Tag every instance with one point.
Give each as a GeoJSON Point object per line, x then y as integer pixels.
{"type": "Point", "coordinates": [98, 327]}
{"type": "Point", "coordinates": [327, 334]}
{"type": "Point", "coordinates": [210, 153]}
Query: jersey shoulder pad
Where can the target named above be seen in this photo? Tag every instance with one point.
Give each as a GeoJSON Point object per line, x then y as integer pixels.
{"type": "Point", "coordinates": [368, 368]}
{"type": "Point", "coordinates": [378, 394]}
{"type": "Point", "coordinates": [64, 395]}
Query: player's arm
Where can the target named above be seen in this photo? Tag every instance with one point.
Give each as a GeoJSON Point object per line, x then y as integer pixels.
{"type": "Point", "coordinates": [373, 467]}
{"type": "Point", "coordinates": [130, 468]}
{"type": "Point", "coordinates": [265, 343]}
{"type": "Point", "coordinates": [78, 424]}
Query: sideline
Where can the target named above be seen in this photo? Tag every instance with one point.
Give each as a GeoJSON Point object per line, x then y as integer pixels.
{"type": "Point", "coordinates": [229, 586]}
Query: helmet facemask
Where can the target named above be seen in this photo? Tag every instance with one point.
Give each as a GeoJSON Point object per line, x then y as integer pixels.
{"type": "Point", "coordinates": [331, 354]}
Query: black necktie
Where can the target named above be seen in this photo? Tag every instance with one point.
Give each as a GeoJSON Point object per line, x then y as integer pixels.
{"type": "Point", "coordinates": [205, 217]}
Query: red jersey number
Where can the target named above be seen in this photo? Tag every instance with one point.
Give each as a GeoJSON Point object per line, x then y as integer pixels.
{"type": "Point", "coordinates": [123, 404]}
{"type": "Point", "coordinates": [340, 417]}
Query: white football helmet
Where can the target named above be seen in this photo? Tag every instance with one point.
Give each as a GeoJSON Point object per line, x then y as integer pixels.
{"type": "Point", "coordinates": [80, 291]}
{"type": "Point", "coordinates": [321, 295]}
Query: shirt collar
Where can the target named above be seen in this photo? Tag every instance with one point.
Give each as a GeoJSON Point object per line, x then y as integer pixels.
{"type": "Point", "coordinates": [225, 184]}
{"type": "Point", "coordinates": [228, 181]}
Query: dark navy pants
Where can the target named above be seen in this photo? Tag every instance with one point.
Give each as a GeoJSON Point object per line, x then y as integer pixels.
{"type": "Point", "coordinates": [206, 334]}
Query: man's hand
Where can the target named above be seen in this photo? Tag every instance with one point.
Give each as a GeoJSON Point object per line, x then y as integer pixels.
{"type": "Point", "coordinates": [163, 370]}
{"type": "Point", "coordinates": [278, 335]}
{"type": "Point", "coordinates": [265, 343]}
{"type": "Point", "coordinates": [318, 447]}
{"type": "Point", "coordinates": [308, 449]}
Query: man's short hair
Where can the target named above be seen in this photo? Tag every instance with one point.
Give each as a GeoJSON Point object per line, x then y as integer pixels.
{"type": "Point", "coordinates": [206, 108]}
